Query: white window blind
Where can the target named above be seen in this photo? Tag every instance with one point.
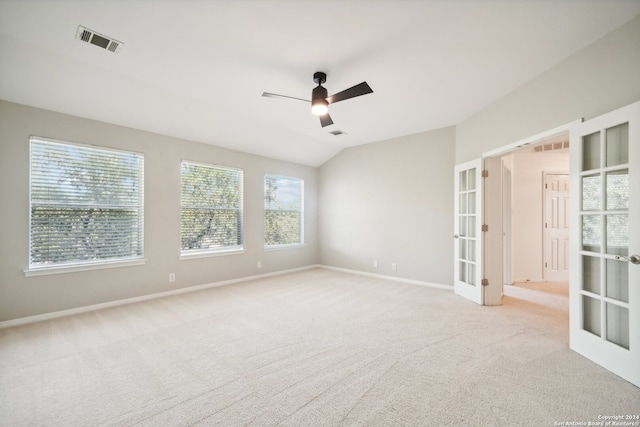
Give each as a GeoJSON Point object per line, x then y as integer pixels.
{"type": "Point", "coordinates": [211, 209]}
{"type": "Point", "coordinates": [283, 210]}
{"type": "Point", "coordinates": [86, 204]}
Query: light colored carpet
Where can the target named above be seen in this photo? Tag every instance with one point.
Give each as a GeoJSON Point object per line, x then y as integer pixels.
{"type": "Point", "coordinates": [312, 348]}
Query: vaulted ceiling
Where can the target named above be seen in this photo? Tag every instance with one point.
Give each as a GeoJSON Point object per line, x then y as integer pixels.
{"type": "Point", "coordinates": [196, 69]}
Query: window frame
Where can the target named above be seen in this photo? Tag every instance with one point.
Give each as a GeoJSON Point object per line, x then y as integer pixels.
{"type": "Point", "coordinates": [283, 246]}
{"type": "Point", "coordinates": [223, 250]}
{"type": "Point", "coordinates": [80, 265]}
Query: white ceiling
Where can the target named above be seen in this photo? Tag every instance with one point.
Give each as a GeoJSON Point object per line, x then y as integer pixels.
{"type": "Point", "coordinates": [196, 69]}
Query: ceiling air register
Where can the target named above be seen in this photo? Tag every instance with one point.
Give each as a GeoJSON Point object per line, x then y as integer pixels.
{"type": "Point", "coordinates": [89, 36]}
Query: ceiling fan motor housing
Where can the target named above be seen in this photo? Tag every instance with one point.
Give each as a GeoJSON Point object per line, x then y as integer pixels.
{"type": "Point", "coordinates": [319, 92]}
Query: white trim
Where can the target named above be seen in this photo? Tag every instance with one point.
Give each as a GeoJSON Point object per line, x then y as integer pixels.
{"type": "Point", "coordinates": [528, 280]}
{"type": "Point", "coordinates": [392, 278]}
{"type": "Point", "coordinates": [205, 254]}
{"type": "Point", "coordinates": [94, 307]}
{"type": "Point", "coordinates": [284, 246]}
{"type": "Point", "coordinates": [211, 165]}
{"type": "Point", "coordinates": [535, 138]}
{"type": "Point", "coordinates": [103, 148]}
{"type": "Point", "coordinates": [62, 269]}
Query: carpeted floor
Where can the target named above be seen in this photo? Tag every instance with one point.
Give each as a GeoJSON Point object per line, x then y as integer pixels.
{"type": "Point", "coordinates": [312, 348]}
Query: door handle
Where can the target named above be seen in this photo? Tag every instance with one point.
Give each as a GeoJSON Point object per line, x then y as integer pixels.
{"type": "Point", "coordinates": [633, 259]}
{"type": "Point", "coordinates": [455, 236]}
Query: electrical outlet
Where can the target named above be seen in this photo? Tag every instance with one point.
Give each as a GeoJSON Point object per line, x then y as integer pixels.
{"type": "Point", "coordinates": [375, 264]}
{"type": "Point", "coordinates": [394, 266]}
{"type": "Point", "coordinates": [259, 264]}
{"type": "Point", "coordinates": [172, 277]}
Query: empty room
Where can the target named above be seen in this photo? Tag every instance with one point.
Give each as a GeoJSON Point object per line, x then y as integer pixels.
{"type": "Point", "coordinates": [345, 213]}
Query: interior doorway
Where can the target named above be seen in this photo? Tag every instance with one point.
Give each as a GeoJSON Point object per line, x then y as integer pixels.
{"type": "Point", "coordinates": [533, 222]}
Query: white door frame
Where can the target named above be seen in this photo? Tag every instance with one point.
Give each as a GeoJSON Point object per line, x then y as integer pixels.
{"type": "Point", "coordinates": [507, 189]}
{"type": "Point", "coordinates": [493, 240]}
{"type": "Point", "coordinates": [494, 237]}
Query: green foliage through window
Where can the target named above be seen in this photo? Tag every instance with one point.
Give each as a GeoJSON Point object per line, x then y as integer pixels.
{"type": "Point", "coordinates": [86, 204]}
{"type": "Point", "coordinates": [283, 210]}
{"type": "Point", "coordinates": [211, 213]}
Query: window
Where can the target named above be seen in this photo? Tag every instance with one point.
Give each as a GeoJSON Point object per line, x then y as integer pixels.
{"type": "Point", "coordinates": [283, 210]}
{"type": "Point", "coordinates": [211, 209]}
{"type": "Point", "coordinates": [86, 205]}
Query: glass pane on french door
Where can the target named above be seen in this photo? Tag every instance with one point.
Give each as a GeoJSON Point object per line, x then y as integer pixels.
{"type": "Point", "coordinates": [467, 217]}
{"type": "Point", "coordinates": [604, 222]}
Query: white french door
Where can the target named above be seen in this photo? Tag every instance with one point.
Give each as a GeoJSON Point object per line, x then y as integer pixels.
{"type": "Point", "coordinates": [605, 241]}
{"type": "Point", "coordinates": [467, 231]}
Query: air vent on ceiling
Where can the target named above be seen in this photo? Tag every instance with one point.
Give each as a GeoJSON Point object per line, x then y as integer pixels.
{"type": "Point", "coordinates": [551, 146]}
{"type": "Point", "coordinates": [337, 132]}
{"type": "Point", "coordinates": [89, 36]}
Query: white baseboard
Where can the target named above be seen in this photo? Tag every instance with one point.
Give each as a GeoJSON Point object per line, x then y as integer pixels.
{"type": "Point", "coordinates": [93, 307]}
{"type": "Point", "coordinates": [535, 280]}
{"type": "Point", "coordinates": [393, 278]}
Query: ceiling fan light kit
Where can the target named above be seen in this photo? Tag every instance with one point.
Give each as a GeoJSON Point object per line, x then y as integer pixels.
{"type": "Point", "coordinates": [319, 104]}
{"type": "Point", "coordinates": [320, 101]}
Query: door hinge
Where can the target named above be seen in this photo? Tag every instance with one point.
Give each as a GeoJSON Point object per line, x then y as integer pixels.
{"type": "Point", "coordinates": [485, 173]}
{"type": "Point", "coordinates": [485, 227]}
{"type": "Point", "coordinates": [485, 282]}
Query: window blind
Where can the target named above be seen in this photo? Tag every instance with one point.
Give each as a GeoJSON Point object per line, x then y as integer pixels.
{"type": "Point", "coordinates": [86, 204]}
{"type": "Point", "coordinates": [283, 210]}
{"type": "Point", "coordinates": [211, 208]}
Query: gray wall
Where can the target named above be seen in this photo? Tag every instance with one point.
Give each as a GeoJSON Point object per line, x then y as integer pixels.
{"type": "Point", "coordinates": [600, 78]}
{"type": "Point", "coordinates": [22, 296]}
{"type": "Point", "coordinates": [391, 202]}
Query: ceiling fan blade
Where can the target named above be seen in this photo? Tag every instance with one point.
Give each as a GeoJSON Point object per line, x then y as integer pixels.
{"type": "Point", "coordinates": [325, 120]}
{"type": "Point", "coordinates": [357, 90]}
{"type": "Point", "coordinates": [275, 95]}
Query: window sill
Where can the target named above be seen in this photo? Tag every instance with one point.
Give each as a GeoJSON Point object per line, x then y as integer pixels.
{"type": "Point", "coordinates": [284, 247]}
{"type": "Point", "coordinates": [45, 271]}
{"type": "Point", "coordinates": [196, 255]}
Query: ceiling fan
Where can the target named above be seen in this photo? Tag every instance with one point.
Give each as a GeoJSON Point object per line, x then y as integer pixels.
{"type": "Point", "coordinates": [319, 99]}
